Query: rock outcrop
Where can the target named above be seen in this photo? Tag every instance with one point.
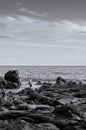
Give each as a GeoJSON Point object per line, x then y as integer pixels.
{"type": "Point", "coordinates": [12, 78]}
{"type": "Point", "coordinates": [53, 106]}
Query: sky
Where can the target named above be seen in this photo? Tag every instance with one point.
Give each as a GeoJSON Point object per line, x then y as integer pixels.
{"type": "Point", "coordinates": [42, 32]}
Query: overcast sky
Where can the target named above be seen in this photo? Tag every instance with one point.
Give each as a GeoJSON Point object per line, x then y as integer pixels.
{"type": "Point", "coordinates": [42, 32]}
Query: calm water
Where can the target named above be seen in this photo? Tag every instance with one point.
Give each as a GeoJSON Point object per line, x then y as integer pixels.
{"type": "Point", "coordinates": [51, 72]}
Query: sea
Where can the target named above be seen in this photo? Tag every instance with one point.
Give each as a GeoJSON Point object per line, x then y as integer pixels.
{"type": "Point", "coordinates": [47, 72]}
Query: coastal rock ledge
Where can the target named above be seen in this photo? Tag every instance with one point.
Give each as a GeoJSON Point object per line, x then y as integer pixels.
{"type": "Point", "coordinates": [53, 106]}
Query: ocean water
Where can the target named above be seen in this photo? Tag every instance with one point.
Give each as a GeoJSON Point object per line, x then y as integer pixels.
{"type": "Point", "coordinates": [47, 72]}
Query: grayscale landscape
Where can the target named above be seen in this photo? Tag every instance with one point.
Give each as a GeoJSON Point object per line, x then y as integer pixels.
{"type": "Point", "coordinates": [42, 64]}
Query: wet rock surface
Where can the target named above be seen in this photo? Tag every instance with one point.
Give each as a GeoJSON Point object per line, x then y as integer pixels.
{"type": "Point", "coordinates": [53, 106]}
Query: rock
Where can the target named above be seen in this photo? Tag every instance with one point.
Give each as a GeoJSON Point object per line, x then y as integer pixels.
{"type": "Point", "coordinates": [60, 81]}
{"type": "Point", "coordinates": [54, 102]}
{"type": "Point", "coordinates": [19, 124]}
{"type": "Point", "coordinates": [44, 87]}
{"type": "Point", "coordinates": [47, 93]}
{"type": "Point", "coordinates": [26, 91]}
{"type": "Point", "coordinates": [80, 94]}
{"type": "Point", "coordinates": [72, 84]}
{"type": "Point", "coordinates": [38, 98]}
{"type": "Point", "coordinates": [11, 85]}
{"type": "Point", "coordinates": [3, 83]}
{"type": "Point", "coordinates": [38, 82]}
{"type": "Point", "coordinates": [44, 126]}
{"type": "Point", "coordinates": [12, 78]}
{"type": "Point", "coordinates": [68, 112]}
{"type": "Point", "coordinates": [62, 111]}
{"type": "Point", "coordinates": [23, 106]}
{"type": "Point", "coordinates": [63, 124]}
{"type": "Point", "coordinates": [14, 125]}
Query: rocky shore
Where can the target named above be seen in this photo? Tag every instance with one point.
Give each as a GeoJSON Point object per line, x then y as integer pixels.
{"type": "Point", "coordinates": [53, 106]}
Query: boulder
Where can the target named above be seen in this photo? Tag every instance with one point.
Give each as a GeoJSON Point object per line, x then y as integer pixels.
{"type": "Point", "coordinates": [12, 78]}
{"type": "Point", "coordinates": [60, 81]}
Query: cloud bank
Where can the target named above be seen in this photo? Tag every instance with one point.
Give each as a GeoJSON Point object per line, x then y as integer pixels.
{"type": "Point", "coordinates": [29, 41]}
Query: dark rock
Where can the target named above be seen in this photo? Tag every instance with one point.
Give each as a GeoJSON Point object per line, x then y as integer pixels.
{"type": "Point", "coordinates": [38, 98]}
{"type": "Point", "coordinates": [72, 84]}
{"type": "Point", "coordinates": [81, 125]}
{"type": "Point", "coordinates": [11, 85]}
{"type": "Point", "coordinates": [62, 111]}
{"type": "Point", "coordinates": [14, 125]}
{"type": "Point", "coordinates": [68, 111]}
{"type": "Point", "coordinates": [12, 78]}
{"type": "Point", "coordinates": [44, 126]}
{"type": "Point", "coordinates": [60, 81]}
{"type": "Point", "coordinates": [80, 94]}
{"type": "Point", "coordinates": [27, 91]}
{"type": "Point", "coordinates": [38, 82]}
{"type": "Point", "coordinates": [54, 102]}
{"type": "Point", "coordinates": [19, 124]}
{"type": "Point", "coordinates": [3, 83]}
{"type": "Point", "coordinates": [63, 124]}
{"type": "Point", "coordinates": [23, 106]}
{"type": "Point", "coordinates": [47, 93]}
{"type": "Point", "coordinates": [44, 87]}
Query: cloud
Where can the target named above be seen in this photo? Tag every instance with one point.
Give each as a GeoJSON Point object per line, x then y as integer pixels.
{"type": "Point", "coordinates": [5, 36]}
{"type": "Point", "coordinates": [73, 26]}
{"type": "Point", "coordinates": [23, 37]}
{"type": "Point", "coordinates": [70, 25]}
{"type": "Point", "coordinates": [33, 30]}
{"type": "Point", "coordinates": [83, 32]}
{"type": "Point", "coordinates": [32, 12]}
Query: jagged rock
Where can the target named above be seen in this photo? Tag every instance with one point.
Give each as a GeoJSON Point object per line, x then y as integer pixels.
{"type": "Point", "coordinates": [12, 78]}
{"type": "Point", "coordinates": [60, 81]}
